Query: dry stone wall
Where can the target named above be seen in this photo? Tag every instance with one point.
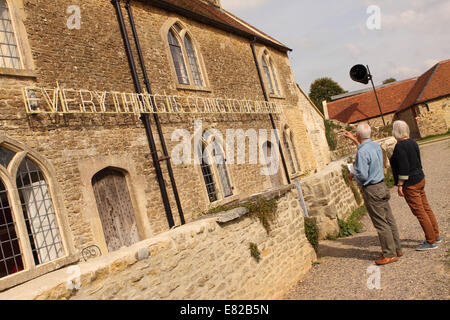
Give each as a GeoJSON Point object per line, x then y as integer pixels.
{"type": "Point", "coordinates": [206, 259]}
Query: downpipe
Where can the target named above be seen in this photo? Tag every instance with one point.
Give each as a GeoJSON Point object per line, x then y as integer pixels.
{"type": "Point", "coordinates": [144, 117]}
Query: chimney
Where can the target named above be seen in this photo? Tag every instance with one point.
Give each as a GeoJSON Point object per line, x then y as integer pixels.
{"type": "Point", "coordinates": [215, 3]}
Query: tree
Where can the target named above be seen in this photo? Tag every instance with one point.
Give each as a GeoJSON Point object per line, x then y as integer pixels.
{"type": "Point", "coordinates": [389, 80]}
{"type": "Point", "coordinates": [323, 89]}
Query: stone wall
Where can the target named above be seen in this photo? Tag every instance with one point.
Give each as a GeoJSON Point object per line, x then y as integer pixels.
{"type": "Point", "coordinates": [434, 117]}
{"type": "Point", "coordinates": [206, 259]}
{"type": "Point", "coordinates": [328, 198]}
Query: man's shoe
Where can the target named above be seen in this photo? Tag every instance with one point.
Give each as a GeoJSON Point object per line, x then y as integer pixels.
{"type": "Point", "coordinates": [386, 260]}
{"type": "Point", "coordinates": [426, 246]}
{"type": "Point", "coordinates": [399, 254]}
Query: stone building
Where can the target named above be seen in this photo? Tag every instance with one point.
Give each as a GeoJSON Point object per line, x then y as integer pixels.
{"type": "Point", "coordinates": [73, 175]}
{"type": "Point", "coordinates": [356, 107]}
{"type": "Point", "coordinates": [426, 107]}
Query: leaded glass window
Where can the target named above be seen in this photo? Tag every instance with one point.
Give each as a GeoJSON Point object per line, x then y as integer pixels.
{"type": "Point", "coordinates": [10, 254]}
{"type": "Point", "coordinates": [207, 173]}
{"type": "Point", "coordinates": [193, 63]}
{"type": "Point", "coordinates": [6, 156]}
{"type": "Point", "coordinates": [178, 60]}
{"type": "Point", "coordinates": [9, 51]}
{"type": "Point", "coordinates": [268, 78]}
{"type": "Point", "coordinates": [38, 213]}
{"type": "Point", "coordinates": [274, 77]}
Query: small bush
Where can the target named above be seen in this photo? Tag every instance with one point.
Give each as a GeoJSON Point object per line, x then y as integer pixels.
{"type": "Point", "coordinates": [353, 224]}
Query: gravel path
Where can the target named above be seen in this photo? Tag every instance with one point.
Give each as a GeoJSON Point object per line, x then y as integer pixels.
{"type": "Point", "coordinates": [341, 272]}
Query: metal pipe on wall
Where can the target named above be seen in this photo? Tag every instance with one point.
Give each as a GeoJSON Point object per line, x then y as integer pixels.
{"type": "Point", "coordinates": [144, 117]}
{"type": "Point", "coordinates": [155, 115]}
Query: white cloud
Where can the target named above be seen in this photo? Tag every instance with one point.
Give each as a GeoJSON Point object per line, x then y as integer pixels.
{"type": "Point", "coordinates": [237, 5]}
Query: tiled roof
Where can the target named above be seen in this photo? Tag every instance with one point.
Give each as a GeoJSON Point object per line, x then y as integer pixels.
{"type": "Point", "coordinates": [364, 105]}
{"type": "Point", "coordinates": [210, 14]}
{"type": "Point", "coordinates": [432, 84]}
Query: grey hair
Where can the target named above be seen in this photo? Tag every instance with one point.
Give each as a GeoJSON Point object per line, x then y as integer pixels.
{"type": "Point", "coordinates": [364, 131]}
{"type": "Point", "coordinates": [400, 129]}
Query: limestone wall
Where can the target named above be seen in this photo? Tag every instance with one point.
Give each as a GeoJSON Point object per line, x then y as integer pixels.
{"type": "Point", "coordinates": [206, 259]}
{"type": "Point", "coordinates": [328, 198]}
{"type": "Point", "coordinates": [432, 123]}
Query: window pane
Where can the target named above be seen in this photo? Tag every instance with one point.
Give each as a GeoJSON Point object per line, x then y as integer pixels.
{"type": "Point", "coordinates": [267, 73]}
{"type": "Point", "coordinates": [178, 61]}
{"type": "Point", "coordinates": [193, 63]}
{"type": "Point", "coordinates": [223, 172]}
{"type": "Point", "coordinates": [6, 156]}
{"type": "Point", "coordinates": [207, 174]}
{"type": "Point", "coordinates": [10, 255]}
{"type": "Point", "coordinates": [274, 77]}
{"type": "Point", "coordinates": [9, 54]}
{"type": "Point", "coordinates": [39, 214]}
{"type": "Point", "coordinates": [288, 151]}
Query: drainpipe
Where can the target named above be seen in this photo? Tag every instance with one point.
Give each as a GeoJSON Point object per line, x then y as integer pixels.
{"type": "Point", "coordinates": [252, 44]}
{"type": "Point", "coordinates": [296, 180]}
{"type": "Point", "coordinates": [144, 117]}
{"type": "Point", "coordinates": [155, 115]}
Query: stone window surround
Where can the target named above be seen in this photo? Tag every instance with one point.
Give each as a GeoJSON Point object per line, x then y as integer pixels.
{"type": "Point", "coordinates": [168, 25]}
{"type": "Point", "coordinates": [7, 175]}
{"type": "Point", "coordinates": [17, 15]}
{"type": "Point", "coordinates": [221, 199]}
{"type": "Point", "coordinates": [264, 54]}
{"type": "Point", "coordinates": [136, 187]}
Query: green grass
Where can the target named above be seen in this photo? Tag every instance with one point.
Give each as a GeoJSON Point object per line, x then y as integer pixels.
{"type": "Point", "coordinates": [435, 136]}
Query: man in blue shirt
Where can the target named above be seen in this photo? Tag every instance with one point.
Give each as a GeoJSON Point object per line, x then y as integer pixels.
{"type": "Point", "coordinates": [369, 174]}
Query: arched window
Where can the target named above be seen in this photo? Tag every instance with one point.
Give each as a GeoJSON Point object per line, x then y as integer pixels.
{"type": "Point", "coordinates": [38, 213]}
{"type": "Point", "coordinates": [193, 63]}
{"type": "Point", "coordinates": [177, 57]}
{"type": "Point", "coordinates": [288, 151]}
{"type": "Point", "coordinates": [29, 229]}
{"type": "Point", "coordinates": [185, 57]}
{"type": "Point", "coordinates": [10, 253]}
{"type": "Point", "coordinates": [269, 153]}
{"type": "Point", "coordinates": [207, 173]}
{"type": "Point", "coordinates": [270, 73]}
{"type": "Point", "coordinates": [289, 145]}
{"type": "Point", "coordinates": [9, 51]}
{"type": "Point", "coordinates": [214, 169]}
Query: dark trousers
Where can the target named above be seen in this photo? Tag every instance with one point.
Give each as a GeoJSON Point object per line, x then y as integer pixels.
{"type": "Point", "coordinates": [376, 198]}
{"type": "Point", "coordinates": [417, 201]}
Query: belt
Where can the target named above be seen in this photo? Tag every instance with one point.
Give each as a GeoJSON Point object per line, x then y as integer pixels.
{"type": "Point", "coordinates": [373, 184]}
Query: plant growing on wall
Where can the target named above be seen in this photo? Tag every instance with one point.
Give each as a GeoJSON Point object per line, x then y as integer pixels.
{"type": "Point", "coordinates": [254, 251]}
{"type": "Point", "coordinates": [312, 233]}
{"type": "Point", "coordinates": [350, 184]}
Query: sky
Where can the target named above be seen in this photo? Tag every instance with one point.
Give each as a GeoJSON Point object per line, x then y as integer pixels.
{"type": "Point", "coordinates": [328, 37]}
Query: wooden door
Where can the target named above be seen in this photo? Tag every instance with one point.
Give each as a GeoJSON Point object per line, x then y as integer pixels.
{"type": "Point", "coordinates": [115, 209]}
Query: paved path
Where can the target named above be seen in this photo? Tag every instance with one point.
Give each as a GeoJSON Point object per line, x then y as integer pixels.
{"type": "Point", "coordinates": [342, 269]}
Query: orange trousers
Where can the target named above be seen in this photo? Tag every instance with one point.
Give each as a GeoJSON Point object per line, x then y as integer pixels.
{"type": "Point", "coordinates": [417, 201]}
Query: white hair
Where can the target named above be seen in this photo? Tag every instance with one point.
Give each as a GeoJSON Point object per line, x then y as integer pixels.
{"type": "Point", "coordinates": [400, 129]}
{"type": "Point", "coordinates": [364, 131]}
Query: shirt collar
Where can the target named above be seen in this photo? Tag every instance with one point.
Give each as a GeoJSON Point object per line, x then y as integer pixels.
{"type": "Point", "coordinates": [364, 143]}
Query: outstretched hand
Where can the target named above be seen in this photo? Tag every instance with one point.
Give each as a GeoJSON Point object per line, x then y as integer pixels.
{"type": "Point", "coordinates": [350, 136]}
